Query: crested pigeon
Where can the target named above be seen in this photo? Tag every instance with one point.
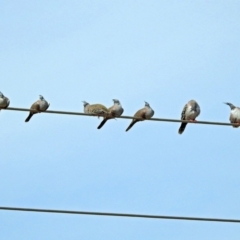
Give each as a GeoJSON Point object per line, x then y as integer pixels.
{"type": "Point", "coordinates": [142, 114]}
{"type": "Point", "coordinates": [115, 111]}
{"type": "Point", "coordinates": [190, 111]}
{"type": "Point", "coordinates": [95, 109]}
{"type": "Point", "coordinates": [234, 115]}
{"type": "Point", "coordinates": [4, 101]}
{"type": "Point", "coordinates": [39, 106]}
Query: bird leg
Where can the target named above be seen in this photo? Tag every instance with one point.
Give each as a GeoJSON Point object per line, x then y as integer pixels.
{"type": "Point", "coordinates": [237, 124]}
{"type": "Point", "coordinates": [193, 120]}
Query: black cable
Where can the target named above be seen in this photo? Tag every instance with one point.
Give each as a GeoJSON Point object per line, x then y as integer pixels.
{"type": "Point", "coordinates": [121, 215]}
{"type": "Point", "coordinates": [124, 117]}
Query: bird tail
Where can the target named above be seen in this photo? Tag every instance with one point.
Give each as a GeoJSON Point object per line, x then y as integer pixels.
{"type": "Point", "coordinates": [29, 117]}
{"type": "Point", "coordinates": [102, 123]}
{"type": "Point", "coordinates": [131, 124]}
{"type": "Point", "coordinates": [182, 127]}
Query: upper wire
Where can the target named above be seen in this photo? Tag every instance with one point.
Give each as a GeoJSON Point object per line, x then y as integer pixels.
{"type": "Point", "coordinates": [123, 117]}
{"type": "Point", "coordinates": [121, 214]}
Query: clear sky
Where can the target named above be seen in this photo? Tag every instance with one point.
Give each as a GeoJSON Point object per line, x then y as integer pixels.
{"type": "Point", "coordinates": [163, 52]}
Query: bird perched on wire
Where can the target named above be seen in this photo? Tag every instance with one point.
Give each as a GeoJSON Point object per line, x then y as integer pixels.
{"type": "Point", "coordinates": [4, 101]}
{"type": "Point", "coordinates": [142, 114]}
{"type": "Point", "coordinates": [190, 111]}
{"type": "Point", "coordinates": [95, 109]}
{"type": "Point", "coordinates": [115, 111]}
{"type": "Point", "coordinates": [39, 106]}
{"type": "Point", "coordinates": [234, 115]}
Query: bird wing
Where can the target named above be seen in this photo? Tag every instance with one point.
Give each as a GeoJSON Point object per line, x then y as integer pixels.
{"type": "Point", "coordinates": [140, 114]}
{"type": "Point", "coordinates": [183, 114]}
{"type": "Point", "coordinates": [98, 109]}
{"type": "Point", "coordinates": [36, 106]}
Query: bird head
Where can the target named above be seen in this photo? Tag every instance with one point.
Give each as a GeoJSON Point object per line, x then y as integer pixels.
{"type": "Point", "coordinates": [85, 103]}
{"type": "Point", "coordinates": [230, 105]}
{"type": "Point", "coordinates": [41, 97]}
{"type": "Point", "coordinates": [116, 101]}
{"type": "Point", "coordinates": [147, 104]}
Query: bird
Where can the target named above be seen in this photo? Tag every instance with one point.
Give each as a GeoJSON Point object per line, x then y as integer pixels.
{"type": "Point", "coordinates": [190, 111]}
{"type": "Point", "coordinates": [95, 109]}
{"type": "Point", "coordinates": [39, 106]}
{"type": "Point", "coordinates": [115, 111]}
{"type": "Point", "coordinates": [142, 114]}
{"type": "Point", "coordinates": [234, 115]}
{"type": "Point", "coordinates": [4, 101]}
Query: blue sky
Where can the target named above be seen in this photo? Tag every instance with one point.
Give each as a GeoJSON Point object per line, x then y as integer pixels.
{"type": "Point", "coordinates": [163, 52]}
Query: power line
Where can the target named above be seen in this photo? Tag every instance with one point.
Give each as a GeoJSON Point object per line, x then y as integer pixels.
{"type": "Point", "coordinates": [121, 215]}
{"type": "Point", "coordinates": [125, 117]}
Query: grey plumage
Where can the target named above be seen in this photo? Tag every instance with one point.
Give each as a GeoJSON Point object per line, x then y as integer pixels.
{"type": "Point", "coordinates": [4, 101]}
{"type": "Point", "coordinates": [115, 111]}
{"type": "Point", "coordinates": [40, 105]}
{"type": "Point", "coordinates": [234, 115]}
{"type": "Point", "coordinates": [190, 111]}
{"type": "Point", "coordinates": [142, 114]}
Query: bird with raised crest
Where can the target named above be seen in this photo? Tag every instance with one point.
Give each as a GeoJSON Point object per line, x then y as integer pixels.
{"type": "Point", "coordinates": [115, 111]}
{"type": "Point", "coordinates": [190, 111]}
{"type": "Point", "coordinates": [39, 106]}
{"type": "Point", "coordinates": [141, 115]}
{"type": "Point", "coordinates": [234, 115]}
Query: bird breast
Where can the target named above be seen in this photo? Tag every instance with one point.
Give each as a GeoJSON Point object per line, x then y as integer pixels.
{"type": "Point", "coordinates": [191, 114]}
{"type": "Point", "coordinates": [43, 105]}
{"type": "Point", "coordinates": [149, 113]}
{"type": "Point", "coordinates": [117, 110]}
{"type": "Point", "coordinates": [236, 114]}
{"type": "Point", "coordinates": [3, 102]}
{"type": "Point", "coordinates": [86, 109]}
